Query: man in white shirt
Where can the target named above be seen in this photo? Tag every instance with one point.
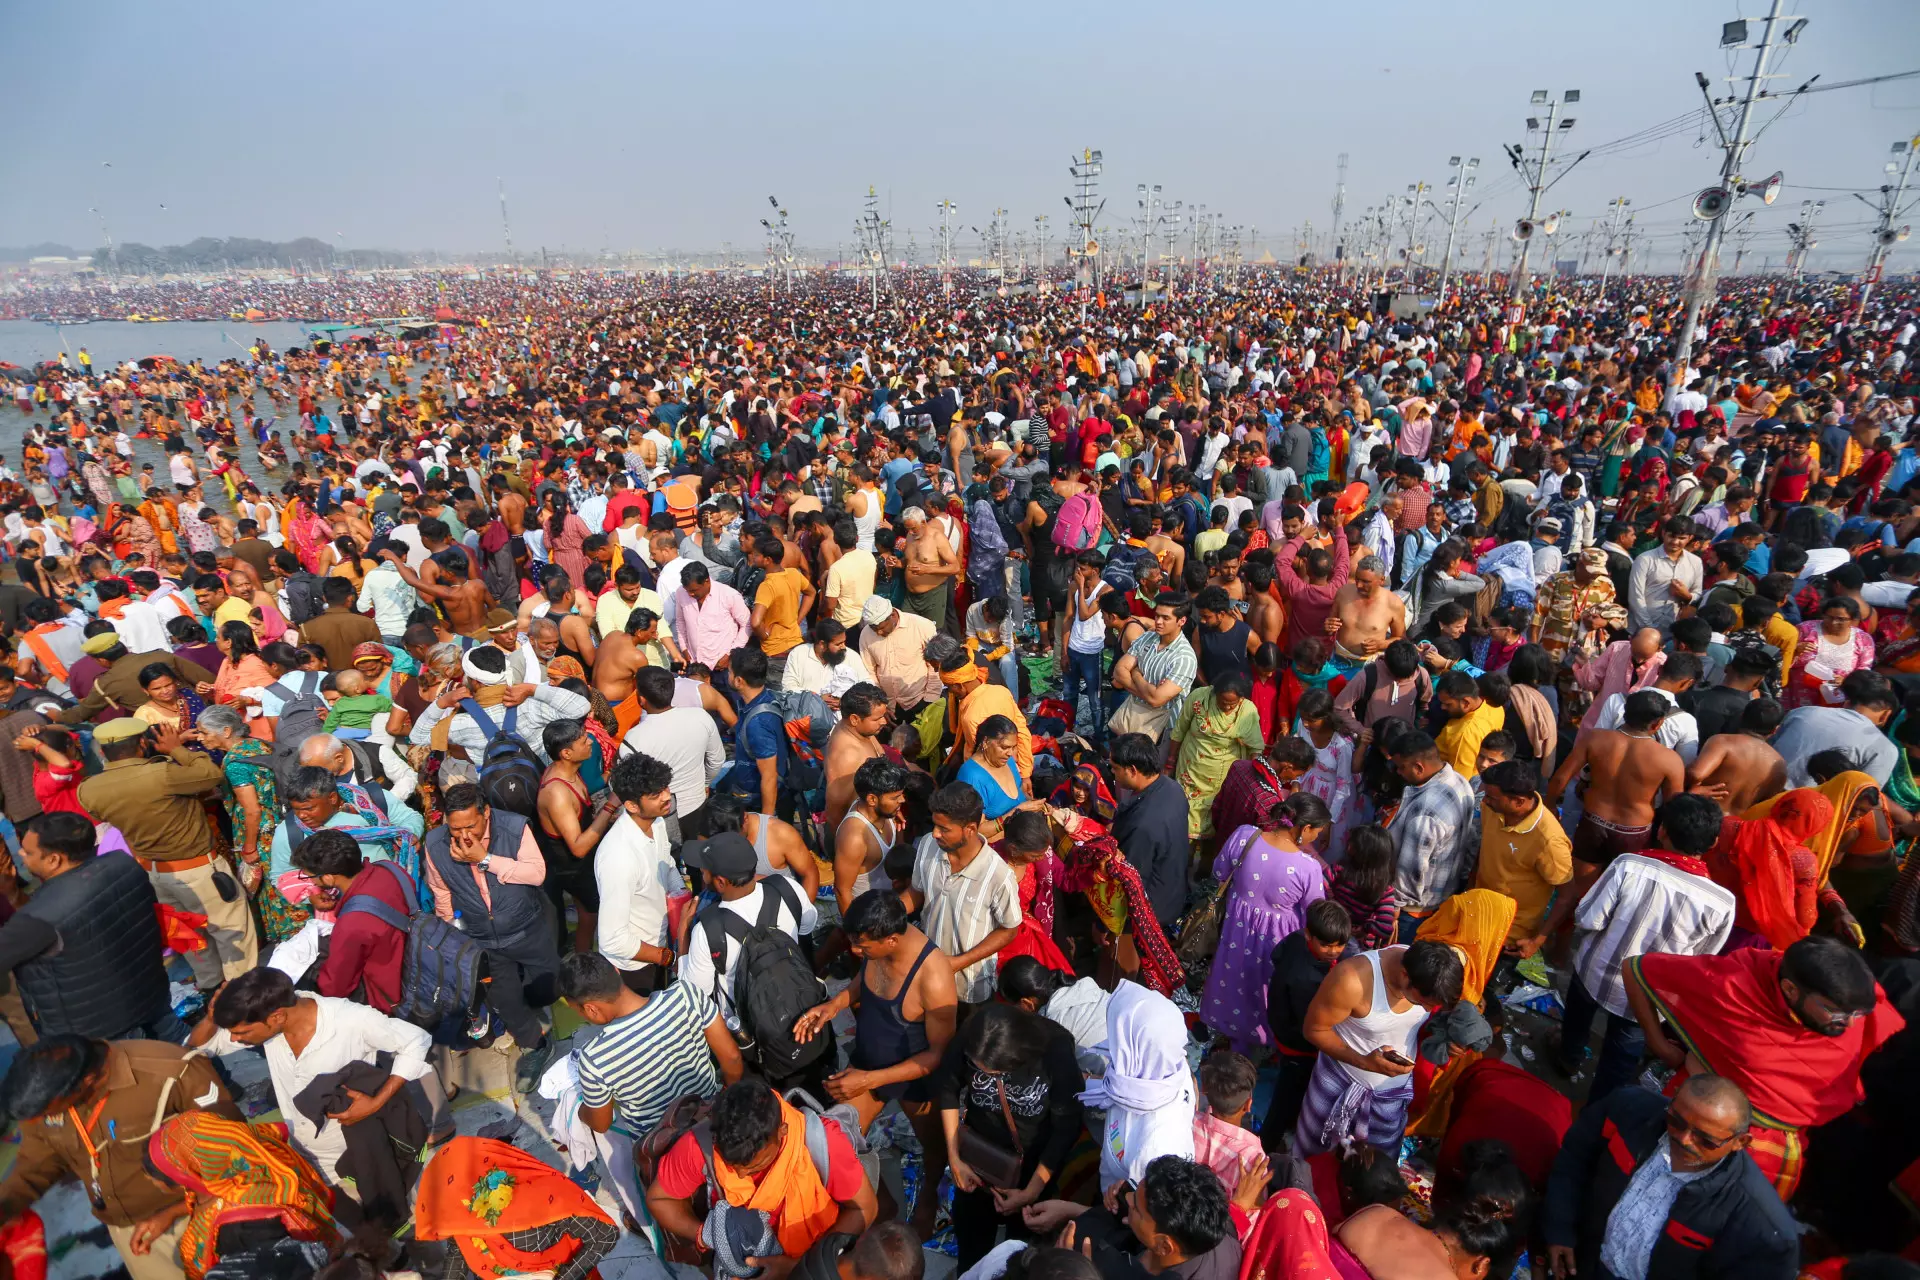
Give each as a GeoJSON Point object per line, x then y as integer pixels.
{"type": "Point", "coordinates": [307, 1037]}
{"type": "Point", "coordinates": [634, 871]}
{"type": "Point", "coordinates": [1664, 578]}
{"type": "Point", "coordinates": [746, 901]}
{"type": "Point", "coordinates": [1678, 730]}
{"type": "Point", "coordinates": [685, 738]}
{"type": "Point", "coordinates": [826, 666]}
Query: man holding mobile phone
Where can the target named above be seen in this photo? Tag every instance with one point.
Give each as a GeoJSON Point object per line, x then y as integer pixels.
{"type": "Point", "coordinates": [1366, 1021]}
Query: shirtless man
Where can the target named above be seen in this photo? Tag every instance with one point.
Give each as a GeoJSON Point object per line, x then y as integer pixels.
{"type": "Point", "coordinates": [620, 657]}
{"type": "Point", "coordinates": [1266, 615]}
{"type": "Point", "coordinates": [1171, 555]}
{"type": "Point", "coordinates": [569, 610]}
{"type": "Point", "coordinates": [870, 828]}
{"type": "Point", "coordinates": [1628, 773]}
{"type": "Point", "coordinates": [1366, 617]}
{"type": "Point", "coordinates": [931, 567]}
{"type": "Point", "coordinates": [464, 597]}
{"type": "Point", "coordinates": [1740, 769]}
{"type": "Point", "coordinates": [512, 507]}
{"type": "Point", "coordinates": [854, 741]}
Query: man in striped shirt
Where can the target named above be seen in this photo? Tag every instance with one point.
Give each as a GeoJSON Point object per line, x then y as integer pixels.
{"type": "Point", "coordinates": [1156, 673]}
{"type": "Point", "coordinates": [1657, 900]}
{"type": "Point", "coordinates": [650, 1050]}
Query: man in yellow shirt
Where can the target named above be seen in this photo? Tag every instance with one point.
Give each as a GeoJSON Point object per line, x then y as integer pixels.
{"type": "Point", "coordinates": [785, 597]}
{"type": "Point", "coordinates": [1473, 718]}
{"type": "Point", "coordinates": [1524, 851]}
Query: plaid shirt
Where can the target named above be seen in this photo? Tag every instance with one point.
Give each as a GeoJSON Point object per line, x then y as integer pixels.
{"type": "Point", "coordinates": [1413, 507]}
{"type": "Point", "coordinates": [1435, 834]}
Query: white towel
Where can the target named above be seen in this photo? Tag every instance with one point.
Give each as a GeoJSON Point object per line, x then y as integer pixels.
{"type": "Point", "coordinates": [561, 1083]}
{"type": "Point", "coordinates": [296, 955]}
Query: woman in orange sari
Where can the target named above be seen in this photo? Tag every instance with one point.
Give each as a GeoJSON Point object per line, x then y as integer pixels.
{"type": "Point", "coordinates": [243, 669]}
{"type": "Point", "coordinates": [247, 1190]}
{"type": "Point", "coordinates": [508, 1213]}
{"type": "Point", "coordinates": [1763, 858]}
{"type": "Point", "coordinates": [1475, 924]}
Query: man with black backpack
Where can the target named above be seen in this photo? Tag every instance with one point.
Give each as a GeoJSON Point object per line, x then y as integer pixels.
{"type": "Point", "coordinates": [744, 951]}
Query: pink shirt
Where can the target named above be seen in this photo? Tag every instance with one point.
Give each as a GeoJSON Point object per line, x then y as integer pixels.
{"type": "Point", "coordinates": [1611, 673]}
{"type": "Point", "coordinates": [1224, 1148]}
{"type": "Point", "coordinates": [708, 630]}
{"type": "Point", "coordinates": [525, 867]}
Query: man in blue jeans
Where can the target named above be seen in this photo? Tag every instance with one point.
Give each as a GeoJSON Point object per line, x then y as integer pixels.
{"type": "Point", "coordinates": [1659, 899]}
{"type": "Point", "coordinates": [1086, 638]}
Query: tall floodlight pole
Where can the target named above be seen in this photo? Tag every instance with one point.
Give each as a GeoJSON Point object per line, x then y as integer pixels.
{"type": "Point", "coordinates": [1885, 235]}
{"type": "Point", "coordinates": [946, 209]}
{"type": "Point", "coordinates": [1537, 183]}
{"type": "Point", "coordinates": [1087, 208]}
{"type": "Point", "coordinates": [1040, 242]}
{"type": "Point", "coordinates": [1700, 285]}
{"type": "Point", "coordinates": [1461, 182]}
{"type": "Point", "coordinates": [1800, 235]}
{"type": "Point", "coordinates": [506, 227]}
{"type": "Point", "coordinates": [1339, 208]}
{"type": "Point", "coordinates": [1619, 205]}
{"type": "Point", "coordinates": [875, 232]}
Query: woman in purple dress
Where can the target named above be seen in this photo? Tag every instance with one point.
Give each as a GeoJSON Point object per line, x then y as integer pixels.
{"type": "Point", "coordinates": [1271, 881]}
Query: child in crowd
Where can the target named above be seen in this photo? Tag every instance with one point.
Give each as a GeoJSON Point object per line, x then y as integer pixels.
{"type": "Point", "coordinates": [352, 707]}
{"type": "Point", "coordinates": [1221, 1139]}
{"type": "Point", "coordinates": [1363, 884]}
{"type": "Point", "coordinates": [56, 767]}
{"type": "Point", "coordinates": [1300, 963]}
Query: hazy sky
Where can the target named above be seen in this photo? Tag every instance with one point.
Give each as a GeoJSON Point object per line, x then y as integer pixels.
{"type": "Point", "coordinates": [641, 126]}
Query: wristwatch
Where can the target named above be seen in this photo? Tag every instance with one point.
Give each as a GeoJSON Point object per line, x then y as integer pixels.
{"type": "Point", "coordinates": [485, 858]}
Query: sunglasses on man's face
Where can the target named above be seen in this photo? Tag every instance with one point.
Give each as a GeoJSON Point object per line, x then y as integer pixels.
{"type": "Point", "coordinates": [1695, 1138]}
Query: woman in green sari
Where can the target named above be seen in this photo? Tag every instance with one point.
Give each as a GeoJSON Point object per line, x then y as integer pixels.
{"type": "Point", "coordinates": [1218, 726]}
{"type": "Point", "coordinates": [252, 800]}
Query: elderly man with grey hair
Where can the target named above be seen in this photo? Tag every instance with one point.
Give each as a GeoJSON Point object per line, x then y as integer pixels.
{"type": "Point", "coordinates": [931, 565]}
{"type": "Point", "coordinates": [1366, 617]}
{"type": "Point", "coordinates": [501, 702]}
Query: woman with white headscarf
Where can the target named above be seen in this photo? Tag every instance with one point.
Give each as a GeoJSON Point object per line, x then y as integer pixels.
{"type": "Point", "coordinates": [1148, 1091]}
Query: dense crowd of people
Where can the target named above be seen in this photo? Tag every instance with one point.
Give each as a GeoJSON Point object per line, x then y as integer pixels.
{"type": "Point", "coordinates": [1177, 761]}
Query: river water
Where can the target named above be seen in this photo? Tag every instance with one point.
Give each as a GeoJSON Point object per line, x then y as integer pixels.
{"type": "Point", "coordinates": [25, 342]}
{"type": "Point", "coordinates": [109, 342]}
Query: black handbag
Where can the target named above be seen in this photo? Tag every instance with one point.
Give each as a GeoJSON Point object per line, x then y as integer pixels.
{"type": "Point", "coordinates": [997, 1166]}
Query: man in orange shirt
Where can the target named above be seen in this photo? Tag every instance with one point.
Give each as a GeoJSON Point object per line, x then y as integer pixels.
{"type": "Point", "coordinates": [785, 596]}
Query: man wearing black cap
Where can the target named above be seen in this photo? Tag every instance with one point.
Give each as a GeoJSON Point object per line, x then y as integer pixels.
{"type": "Point", "coordinates": [715, 942]}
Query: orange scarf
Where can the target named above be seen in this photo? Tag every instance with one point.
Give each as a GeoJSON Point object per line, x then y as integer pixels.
{"type": "Point", "coordinates": [43, 652]}
{"type": "Point", "coordinates": [789, 1190]}
{"type": "Point", "coordinates": [476, 1190]}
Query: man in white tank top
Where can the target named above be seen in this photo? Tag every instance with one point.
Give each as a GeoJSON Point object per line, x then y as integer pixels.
{"type": "Point", "coordinates": [1366, 1023]}
{"type": "Point", "coordinates": [867, 834]}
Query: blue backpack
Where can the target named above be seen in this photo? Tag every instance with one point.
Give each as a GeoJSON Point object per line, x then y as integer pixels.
{"type": "Point", "coordinates": [443, 972]}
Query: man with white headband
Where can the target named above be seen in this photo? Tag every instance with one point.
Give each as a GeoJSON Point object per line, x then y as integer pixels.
{"type": "Point", "coordinates": [526, 708]}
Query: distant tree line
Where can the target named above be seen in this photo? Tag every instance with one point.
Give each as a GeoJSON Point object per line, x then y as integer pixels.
{"type": "Point", "coordinates": [209, 253]}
